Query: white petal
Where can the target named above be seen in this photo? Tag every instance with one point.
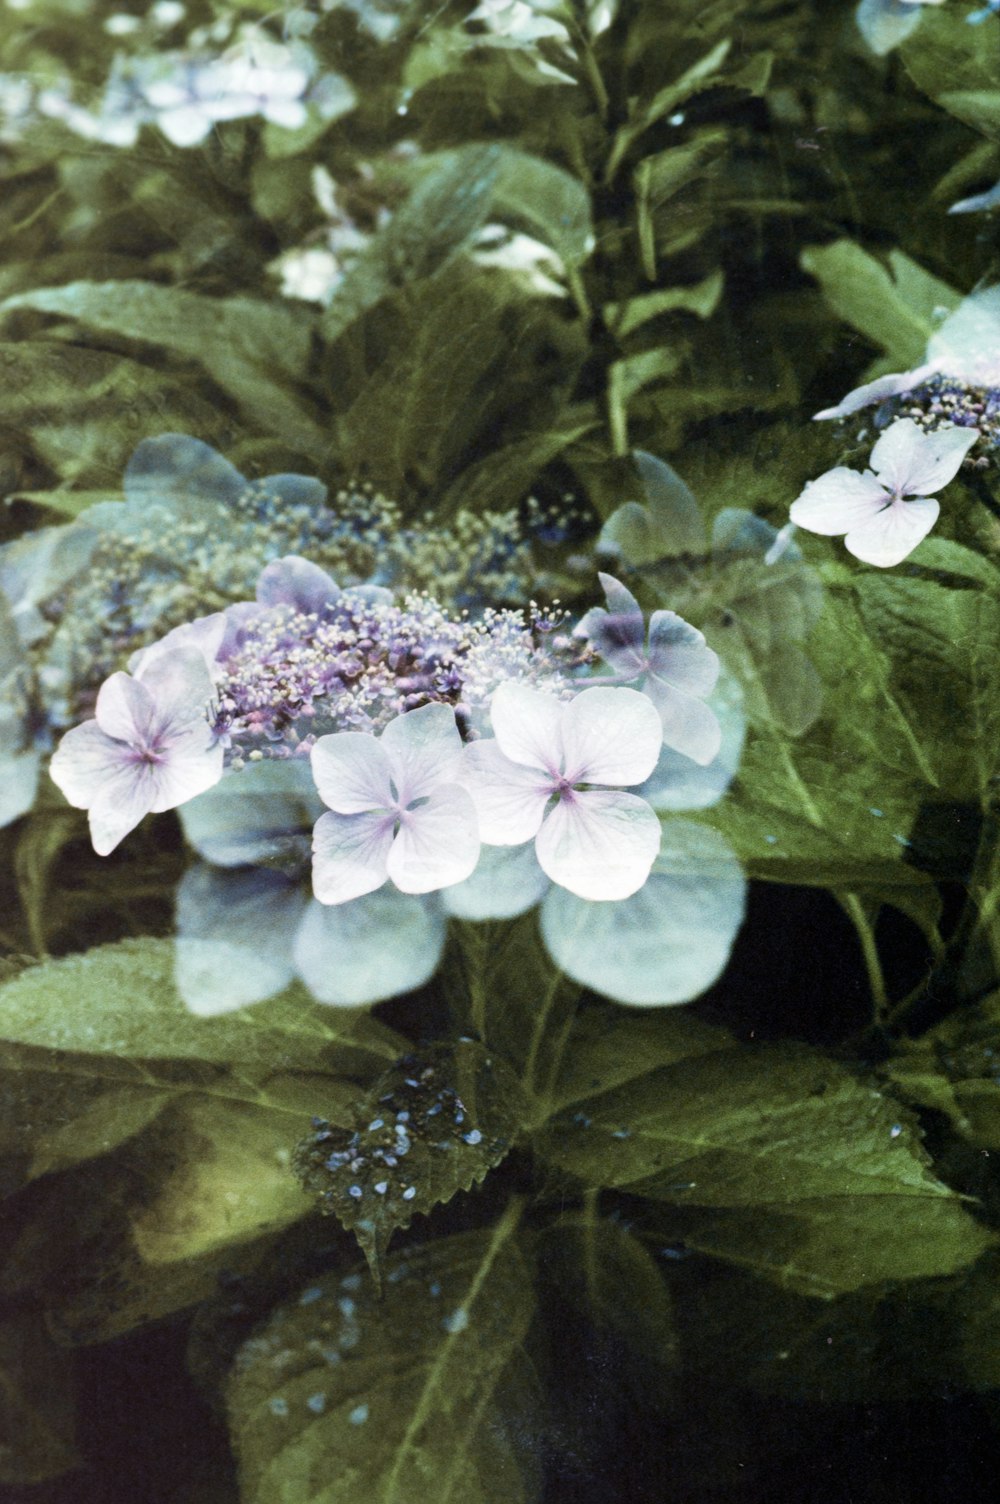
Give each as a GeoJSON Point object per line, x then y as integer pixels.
{"type": "Point", "coordinates": [424, 749]}
{"type": "Point", "coordinates": [125, 710]}
{"type": "Point", "coordinates": [352, 772]}
{"type": "Point", "coordinates": [599, 844]}
{"type": "Point", "coordinates": [877, 391]}
{"type": "Point", "coordinates": [204, 635]}
{"type": "Point", "coordinates": [509, 798]}
{"type": "Point", "coordinates": [349, 855]}
{"type": "Point", "coordinates": [437, 843]}
{"type": "Point", "coordinates": [86, 761]}
{"type": "Point", "coordinates": [192, 765]}
{"type": "Point", "coordinates": [376, 947]}
{"type": "Point", "coordinates": [679, 654]}
{"type": "Point", "coordinates": [526, 724]}
{"type": "Point", "coordinates": [888, 538]}
{"type": "Point", "coordinates": [688, 725]}
{"type": "Point", "coordinates": [838, 501]}
{"type": "Point", "coordinates": [233, 945]}
{"type": "Point", "coordinates": [670, 941]}
{"type": "Point", "coordinates": [181, 687]}
{"type": "Point", "coordinates": [187, 126]}
{"type": "Point", "coordinates": [884, 23]}
{"type": "Point", "coordinates": [678, 783]}
{"type": "Point", "coordinates": [119, 806]}
{"type": "Point", "coordinates": [610, 736]}
{"type": "Point", "coordinates": [911, 462]}
{"type": "Point", "coordinates": [507, 881]}
{"type": "Point", "coordinates": [967, 345]}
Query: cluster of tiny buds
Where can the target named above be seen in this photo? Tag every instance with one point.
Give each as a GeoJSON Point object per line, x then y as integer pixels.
{"type": "Point", "coordinates": [944, 399]}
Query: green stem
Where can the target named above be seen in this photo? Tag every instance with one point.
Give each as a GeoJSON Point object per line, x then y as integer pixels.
{"type": "Point", "coordinates": [869, 950]}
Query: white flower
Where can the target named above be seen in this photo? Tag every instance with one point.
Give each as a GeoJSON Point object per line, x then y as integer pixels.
{"type": "Point", "coordinates": [149, 748]}
{"type": "Point", "coordinates": [886, 514]}
{"type": "Point", "coordinates": [397, 810]}
{"type": "Point", "coordinates": [595, 841]}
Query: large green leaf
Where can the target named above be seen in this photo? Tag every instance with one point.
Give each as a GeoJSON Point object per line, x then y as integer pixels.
{"type": "Point", "coordinates": [956, 64]}
{"type": "Point", "coordinates": [120, 1001]}
{"type": "Point", "coordinates": [798, 1168]}
{"type": "Point", "coordinates": [243, 343]}
{"type": "Point", "coordinates": [897, 309]}
{"type": "Point", "coordinates": [433, 1125]}
{"type": "Point", "coordinates": [424, 1394]}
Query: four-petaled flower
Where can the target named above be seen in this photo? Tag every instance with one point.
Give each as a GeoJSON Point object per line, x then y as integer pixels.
{"type": "Point", "coordinates": [397, 809]}
{"type": "Point", "coordinates": [676, 670]}
{"type": "Point", "coordinates": [536, 781]}
{"type": "Point", "coordinates": [886, 514]}
{"type": "Point", "coordinates": [149, 747]}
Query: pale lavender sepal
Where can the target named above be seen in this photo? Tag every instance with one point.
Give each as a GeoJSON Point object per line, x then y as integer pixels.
{"type": "Point", "coordinates": [599, 844]}
{"type": "Point", "coordinates": [376, 947]}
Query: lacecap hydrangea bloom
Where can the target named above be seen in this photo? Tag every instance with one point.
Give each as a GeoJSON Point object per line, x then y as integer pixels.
{"type": "Point", "coordinates": [390, 708]}
{"type": "Point", "coordinates": [886, 511]}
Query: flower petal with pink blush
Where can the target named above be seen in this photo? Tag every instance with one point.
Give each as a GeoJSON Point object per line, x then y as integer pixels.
{"type": "Point", "coordinates": [526, 725]}
{"type": "Point", "coordinates": [437, 843]}
{"type": "Point", "coordinates": [879, 390]}
{"type": "Point", "coordinates": [205, 636]}
{"type": "Point", "coordinates": [911, 462]}
{"type": "Point", "coordinates": [194, 765]}
{"type": "Point", "coordinates": [123, 801]}
{"type": "Point", "coordinates": [125, 709]}
{"type": "Point", "coordinates": [181, 688]}
{"type": "Point", "coordinates": [509, 798]}
{"type": "Point", "coordinates": [887, 539]}
{"type": "Point", "coordinates": [610, 736]}
{"type": "Point", "coordinates": [424, 748]}
{"type": "Point", "coordinates": [352, 772]}
{"type": "Point", "coordinates": [350, 853]}
{"type": "Point", "coordinates": [599, 844]}
{"type": "Point", "coordinates": [838, 501]}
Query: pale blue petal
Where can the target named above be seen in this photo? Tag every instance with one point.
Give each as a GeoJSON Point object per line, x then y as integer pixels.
{"type": "Point", "coordinates": [673, 508]}
{"type": "Point", "coordinates": [886, 23]}
{"type": "Point", "coordinates": [233, 945]}
{"type": "Point", "coordinates": [677, 783]}
{"type": "Point", "coordinates": [183, 474]}
{"type": "Point", "coordinates": [263, 814]}
{"type": "Point", "coordinates": [18, 784]}
{"type": "Point", "coordinates": [375, 947]}
{"type": "Point", "coordinates": [668, 942]}
{"type": "Point", "coordinates": [507, 881]}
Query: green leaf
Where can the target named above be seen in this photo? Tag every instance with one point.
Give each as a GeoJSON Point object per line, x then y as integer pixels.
{"type": "Point", "coordinates": [831, 1247]}
{"type": "Point", "coordinates": [897, 309]}
{"type": "Point", "coordinates": [85, 410]}
{"type": "Point", "coordinates": [798, 1169]}
{"type": "Point", "coordinates": [120, 1000]}
{"type": "Point", "coordinates": [547, 202]}
{"type": "Point", "coordinates": [243, 343]}
{"type": "Point", "coordinates": [701, 75]}
{"type": "Point", "coordinates": [426, 1393]}
{"type": "Point", "coordinates": [955, 64]}
{"type": "Point", "coordinates": [701, 298]}
{"type": "Point", "coordinates": [37, 1408]}
{"type": "Point", "coordinates": [955, 1069]}
{"type": "Point", "coordinates": [433, 1125]}
{"type": "Point", "coordinates": [598, 1266]}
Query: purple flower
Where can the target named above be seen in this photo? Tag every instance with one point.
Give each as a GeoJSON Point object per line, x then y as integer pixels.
{"type": "Point", "coordinates": [597, 842]}
{"type": "Point", "coordinates": [149, 747]}
{"type": "Point", "coordinates": [676, 670]}
{"type": "Point", "coordinates": [397, 810]}
{"type": "Point", "coordinates": [885, 514]}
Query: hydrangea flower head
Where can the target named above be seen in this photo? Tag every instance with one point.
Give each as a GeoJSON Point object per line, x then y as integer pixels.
{"type": "Point", "coordinates": [149, 747]}
{"type": "Point", "coordinates": [396, 809]}
{"type": "Point", "coordinates": [886, 511]}
{"type": "Point", "coordinates": [676, 669]}
{"type": "Point", "coordinates": [593, 839]}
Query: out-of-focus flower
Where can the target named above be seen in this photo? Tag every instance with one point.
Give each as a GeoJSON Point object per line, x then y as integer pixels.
{"type": "Point", "coordinates": [886, 23]}
{"type": "Point", "coordinates": [965, 350]}
{"type": "Point", "coordinates": [746, 587]}
{"type": "Point", "coordinates": [594, 840]}
{"type": "Point", "coordinates": [978, 203]}
{"type": "Point", "coordinates": [149, 748]}
{"type": "Point", "coordinates": [396, 809]}
{"type": "Point", "coordinates": [885, 514]}
{"type": "Point", "coordinates": [677, 670]}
